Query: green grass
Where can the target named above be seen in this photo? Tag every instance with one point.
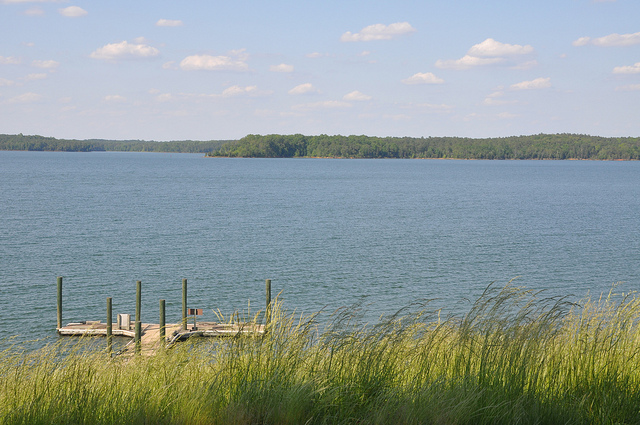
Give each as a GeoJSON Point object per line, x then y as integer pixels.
{"type": "Point", "coordinates": [515, 358]}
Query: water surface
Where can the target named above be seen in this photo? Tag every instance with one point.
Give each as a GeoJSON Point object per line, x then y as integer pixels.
{"type": "Point", "coordinates": [327, 232]}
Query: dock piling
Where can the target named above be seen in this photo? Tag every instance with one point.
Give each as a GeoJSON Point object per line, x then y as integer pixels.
{"type": "Point", "coordinates": [59, 302]}
{"type": "Point", "coordinates": [184, 304]}
{"type": "Point", "coordinates": [268, 306]}
{"type": "Point", "coordinates": [163, 323]}
{"type": "Point", "coordinates": [109, 326]}
{"type": "Point", "coordinates": [138, 323]}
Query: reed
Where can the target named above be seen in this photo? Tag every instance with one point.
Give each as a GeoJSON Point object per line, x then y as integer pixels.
{"type": "Point", "coordinates": [515, 357]}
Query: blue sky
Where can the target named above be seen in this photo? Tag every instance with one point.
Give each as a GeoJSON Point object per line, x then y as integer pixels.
{"type": "Point", "coordinates": [202, 70]}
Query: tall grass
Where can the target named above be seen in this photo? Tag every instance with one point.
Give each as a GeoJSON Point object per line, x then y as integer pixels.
{"type": "Point", "coordinates": [514, 358]}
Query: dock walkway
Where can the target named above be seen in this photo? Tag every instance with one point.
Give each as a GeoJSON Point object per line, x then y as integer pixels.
{"type": "Point", "coordinates": [150, 332]}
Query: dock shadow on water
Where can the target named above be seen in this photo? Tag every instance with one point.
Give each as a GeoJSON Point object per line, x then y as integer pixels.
{"type": "Point", "coordinates": [517, 356]}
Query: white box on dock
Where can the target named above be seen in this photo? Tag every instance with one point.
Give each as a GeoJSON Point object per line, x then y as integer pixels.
{"type": "Point", "coordinates": [124, 321]}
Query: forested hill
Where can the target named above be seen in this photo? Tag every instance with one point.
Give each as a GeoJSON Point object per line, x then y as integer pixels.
{"type": "Point", "coordinates": [540, 146]}
{"type": "Point", "coordinates": [40, 143]}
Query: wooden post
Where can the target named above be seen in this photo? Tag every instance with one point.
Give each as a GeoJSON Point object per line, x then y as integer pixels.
{"type": "Point", "coordinates": [59, 302]}
{"type": "Point", "coordinates": [138, 324]}
{"type": "Point", "coordinates": [268, 307]}
{"type": "Point", "coordinates": [109, 326]}
{"type": "Point", "coordinates": [162, 322]}
{"type": "Point", "coordinates": [184, 304]}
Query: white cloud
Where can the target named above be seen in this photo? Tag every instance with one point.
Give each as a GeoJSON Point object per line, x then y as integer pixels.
{"type": "Point", "coordinates": [238, 91]}
{"type": "Point", "coordinates": [124, 50]}
{"type": "Point", "coordinates": [356, 96]}
{"type": "Point", "coordinates": [538, 83]}
{"type": "Point", "coordinates": [9, 60]}
{"type": "Point", "coordinates": [632, 87]}
{"type": "Point", "coordinates": [140, 40]}
{"type": "Point", "coordinates": [45, 64]}
{"type": "Point", "coordinates": [423, 78]}
{"type": "Point", "coordinates": [495, 99]}
{"type": "Point", "coordinates": [232, 91]}
{"type": "Point", "coordinates": [507, 116]}
{"type": "Point", "coordinates": [610, 40]}
{"type": "Point", "coordinates": [466, 62]}
{"type": "Point", "coordinates": [305, 88]}
{"type": "Point", "coordinates": [169, 65]}
{"type": "Point", "coordinates": [33, 77]}
{"type": "Point", "coordinates": [429, 107]}
{"type": "Point", "coordinates": [236, 61]}
{"type": "Point", "coordinates": [471, 116]}
{"type": "Point", "coordinates": [632, 69]}
{"type": "Point", "coordinates": [315, 55]}
{"type": "Point", "coordinates": [164, 97]}
{"type": "Point", "coordinates": [489, 52]}
{"type": "Point", "coordinates": [5, 83]}
{"type": "Point", "coordinates": [115, 98]}
{"type": "Point", "coordinates": [326, 104]}
{"type": "Point", "coordinates": [73, 12]}
{"type": "Point", "coordinates": [283, 67]}
{"type": "Point", "coordinates": [443, 107]}
{"type": "Point", "coordinates": [582, 41]}
{"type": "Point", "coordinates": [493, 48]}
{"type": "Point", "coordinates": [26, 98]}
{"type": "Point", "coordinates": [169, 23]}
{"type": "Point", "coordinates": [379, 32]}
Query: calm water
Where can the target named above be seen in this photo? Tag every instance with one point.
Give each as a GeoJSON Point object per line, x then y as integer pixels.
{"type": "Point", "coordinates": [327, 232]}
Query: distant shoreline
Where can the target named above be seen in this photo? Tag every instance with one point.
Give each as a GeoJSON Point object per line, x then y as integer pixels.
{"type": "Point", "coordinates": [422, 159]}
{"type": "Point", "coordinates": [539, 146]}
{"type": "Point", "coordinates": [534, 147]}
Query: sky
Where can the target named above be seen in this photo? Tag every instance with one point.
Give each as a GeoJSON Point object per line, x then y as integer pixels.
{"type": "Point", "coordinates": [218, 70]}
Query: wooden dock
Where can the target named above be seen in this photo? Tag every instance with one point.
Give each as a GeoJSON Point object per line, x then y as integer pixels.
{"type": "Point", "coordinates": [147, 338]}
{"type": "Point", "coordinates": [150, 340]}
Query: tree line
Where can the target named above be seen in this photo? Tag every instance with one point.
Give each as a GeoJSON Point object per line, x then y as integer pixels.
{"type": "Point", "coordinates": [539, 146]}
{"type": "Point", "coordinates": [40, 143]}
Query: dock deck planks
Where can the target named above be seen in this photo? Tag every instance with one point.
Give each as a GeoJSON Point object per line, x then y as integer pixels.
{"type": "Point", "coordinates": [150, 335]}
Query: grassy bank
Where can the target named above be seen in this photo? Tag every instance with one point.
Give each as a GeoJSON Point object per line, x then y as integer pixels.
{"type": "Point", "coordinates": [516, 357]}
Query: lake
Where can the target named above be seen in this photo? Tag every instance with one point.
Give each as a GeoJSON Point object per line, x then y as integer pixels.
{"type": "Point", "coordinates": [328, 232]}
